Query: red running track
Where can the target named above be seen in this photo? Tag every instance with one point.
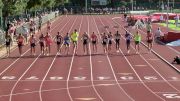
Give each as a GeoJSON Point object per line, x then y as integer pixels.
{"type": "Point", "coordinates": [94, 77]}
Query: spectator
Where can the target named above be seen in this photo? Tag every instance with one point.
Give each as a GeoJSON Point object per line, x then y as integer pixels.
{"type": "Point", "coordinates": [159, 35]}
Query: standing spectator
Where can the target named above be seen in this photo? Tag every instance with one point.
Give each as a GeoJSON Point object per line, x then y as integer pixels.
{"type": "Point", "coordinates": [161, 18]}
{"type": "Point", "coordinates": [158, 35]}
{"type": "Point", "coordinates": [176, 20]}
{"type": "Point", "coordinates": [25, 33]}
{"type": "Point", "coordinates": [40, 23]}
{"type": "Point", "coordinates": [11, 32]}
{"type": "Point", "coordinates": [8, 41]}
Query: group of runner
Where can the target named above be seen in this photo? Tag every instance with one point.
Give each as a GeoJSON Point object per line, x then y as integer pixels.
{"type": "Point", "coordinates": [107, 40]}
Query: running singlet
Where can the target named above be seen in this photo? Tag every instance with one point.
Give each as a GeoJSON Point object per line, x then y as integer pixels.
{"type": "Point", "coordinates": [32, 40]}
{"type": "Point", "coordinates": [75, 36]}
{"type": "Point", "coordinates": [41, 39]}
{"type": "Point", "coordinates": [94, 37]}
{"type": "Point", "coordinates": [8, 39]}
{"type": "Point", "coordinates": [20, 39]}
{"type": "Point", "coordinates": [66, 40]}
{"type": "Point", "coordinates": [149, 36]}
{"type": "Point", "coordinates": [137, 38]}
{"type": "Point", "coordinates": [105, 39]}
{"type": "Point", "coordinates": [58, 38]}
{"type": "Point", "coordinates": [117, 36]}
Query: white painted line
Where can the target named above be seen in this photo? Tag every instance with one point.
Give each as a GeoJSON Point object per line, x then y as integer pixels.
{"type": "Point", "coordinates": [103, 78]}
{"type": "Point", "coordinates": [158, 55]}
{"type": "Point", "coordinates": [85, 99]}
{"type": "Point", "coordinates": [40, 89]}
{"type": "Point", "coordinates": [71, 64]}
{"type": "Point", "coordinates": [3, 56]}
{"type": "Point", "coordinates": [113, 69]}
{"type": "Point", "coordinates": [79, 78]}
{"type": "Point", "coordinates": [18, 58]}
{"type": "Point", "coordinates": [140, 65]}
{"type": "Point", "coordinates": [92, 79]}
{"type": "Point", "coordinates": [138, 74]}
{"type": "Point", "coordinates": [14, 86]}
{"type": "Point", "coordinates": [153, 67]}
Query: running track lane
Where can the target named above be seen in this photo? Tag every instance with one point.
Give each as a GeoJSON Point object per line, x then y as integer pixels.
{"type": "Point", "coordinates": [170, 52]}
{"type": "Point", "coordinates": [105, 88]}
{"type": "Point", "coordinates": [137, 96]}
{"type": "Point", "coordinates": [60, 69]}
{"type": "Point", "coordinates": [18, 68]}
{"type": "Point", "coordinates": [103, 73]}
{"type": "Point", "coordinates": [15, 53]}
{"type": "Point", "coordinates": [42, 64]}
{"type": "Point", "coordinates": [148, 69]}
{"type": "Point", "coordinates": [80, 71]}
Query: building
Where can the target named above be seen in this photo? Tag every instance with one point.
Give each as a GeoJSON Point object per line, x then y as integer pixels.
{"type": "Point", "coordinates": [99, 2]}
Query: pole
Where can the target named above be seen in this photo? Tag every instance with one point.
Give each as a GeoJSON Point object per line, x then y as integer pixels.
{"type": "Point", "coordinates": [132, 5]}
{"type": "Point", "coordinates": [167, 15]}
{"type": "Point", "coordinates": [86, 6]}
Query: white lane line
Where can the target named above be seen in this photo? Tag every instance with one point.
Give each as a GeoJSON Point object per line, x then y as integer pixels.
{"type": "Point", "coordinates": [156, 70]}
{"type": "Point", "coordinates": [92, 79]}
{"type": "Point", "coordinates": [112, 66]}
{"type": "Point", "coordinates": [76, 87]}
{"type": "Point", "coordinates": [14, 86]}
{"type": "Point", "coordinates": [3, 56]}
{"type": "Point", "coordinates": [138, 74]}
{"type": "Point", "coordinates": [158, 55]}
{"type": "Point", "coordinates": [70, 68]}
{"type": "Point", "coordinates": [40, 88]}
{"type": "Point", "coordinates": [10, 98]}
{"type": "Point", "coordinates": [20, 57]}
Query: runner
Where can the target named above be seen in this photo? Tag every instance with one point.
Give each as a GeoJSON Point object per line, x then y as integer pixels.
{"type": "Point", "coordinates": [32, 27]}
{"type": "Point", "coordinates": [74, 38]}
{"type": "Point", "coordinates": [117, 37]}
{"type": "Point", "coordinates": [32, 42]}
{"type": "Point", "coordinates": [20, 42]}
{"type": "Point", "coordinates": [48, 42]}
{"type": "Point", "coordinates": [67, 43]}
{"type": "Point", "coordinates": [94, 41]}
{"type": "Point", "coordinates": [85, 38]}
{"type": "Point", "coordinates": [48, 26]}
{"type": "Point", "coordinates": [128, 41]}
{"type": "Point", "coordinates": [8, 41]}
{"type": "Point", "coordinates": [25, 34]}
{"type": "Point", "coordinates": [42, 43]}
{"type": "Point", "coordinates": [105, 42]}
{"type": "Point", "coordinates": [137, 39]}
{"type": "Point", "coordinates": [110, 37]}
{"type": "Point", "coordinates": [150, 40]}
{"type": "Point", "coordinates": [59, 40]}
